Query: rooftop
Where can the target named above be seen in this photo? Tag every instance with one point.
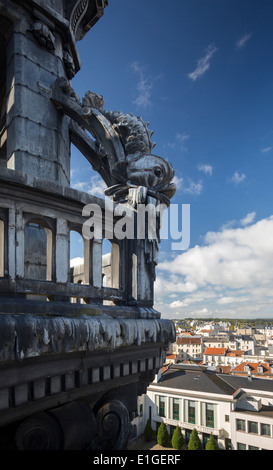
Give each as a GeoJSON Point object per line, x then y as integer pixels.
{"type": "Point", "coordinates": [253, 367]}
{"type": "Point", "coordinates": [188, 340]}
{"type": "Point", "coordinates": [198, 378]}
{"type": "Point", "coordinates": [215, 351]}
{"type": "Point", "coordinates": [194, 377]}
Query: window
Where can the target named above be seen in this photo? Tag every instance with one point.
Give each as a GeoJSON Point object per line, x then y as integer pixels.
{"type": "Point", "coordinates": [187, 435]}
{"type": "Point", "coordinates": [175, 405]}
{"type": "Point", "coordinates": [226, 418]}
{"type": "Point", "coordinates": [162, 406]}
{"type": "Point", "coordinates": [209, 415]}
{"type": "Point", "coordinates": [240, 425]}
{"type": "Point", "coordinates": [172, 429]}
{"type": "Point", "coordinates": [241, 446]}
{"type": "Point", "coordinates": [265, 429]}
{"type": "Point", "coordinates": [253, 448]}
{"type": "Point", "coordinates": [205, 439]}
{"type": "Point", "coordinates": [253, 427]}
{"type": "Point", "coordinates": [191, 412]}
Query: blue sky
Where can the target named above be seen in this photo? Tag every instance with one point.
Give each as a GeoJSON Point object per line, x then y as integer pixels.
{"type": "Point", "coordinates": [201, 71]}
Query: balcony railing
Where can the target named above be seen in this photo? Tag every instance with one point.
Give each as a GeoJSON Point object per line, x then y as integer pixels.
{"type": "Point", "coordinates": [131, 277]}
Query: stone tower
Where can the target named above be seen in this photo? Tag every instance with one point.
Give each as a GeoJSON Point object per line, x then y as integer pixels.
{"type": "Point", "coordinates": [72, 347]}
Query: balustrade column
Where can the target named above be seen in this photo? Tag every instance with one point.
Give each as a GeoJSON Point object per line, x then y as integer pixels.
{"type": "Point", "coordinates": [87, 261]}
{"type": "Point", "coordinates": [97, 263]}
{"type": "Point", "coordinates": [11, 242]}
{"type": "Point", "coordinates": [115, 263]}
{"type": "Point", "coordinates": [147, 252]}
{"type": "Point", "coordinates": [20, 245]}
{"type": "Point", "coordinates": [62, 251]}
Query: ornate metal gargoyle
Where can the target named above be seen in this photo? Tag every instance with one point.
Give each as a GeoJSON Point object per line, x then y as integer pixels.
{"type": "Point", "coordinates": [121, 150]}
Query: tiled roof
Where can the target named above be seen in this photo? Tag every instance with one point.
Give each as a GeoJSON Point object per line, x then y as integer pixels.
{"type": "Point", "coordinates": [225, 369]}
{"type": "Point", "coordinates": [235, 353]}
{"type": "Point", "coordinates": [188, 340]}
{"type": "Point", "coordinates": [215, 351]}
{"type": "Point", "coordinates": [253, 366]}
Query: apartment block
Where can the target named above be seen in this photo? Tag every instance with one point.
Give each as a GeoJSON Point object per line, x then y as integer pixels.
{"type": "Point", "coordinates": [189, 348]}
{"type": "Point", "coordinates": [238, 411]}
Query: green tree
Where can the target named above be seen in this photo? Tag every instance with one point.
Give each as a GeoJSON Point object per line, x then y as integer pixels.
{"type": "Point", "coordinates": [162, 435]}
{"type": "Point", "coordinates": [177, 439]}
{"type": "Point", "coordinates": [148, 432]}
{"type": "Point", "coordinates": [212, 444]}
{"type": "Point", "coordinates": [194, 442]}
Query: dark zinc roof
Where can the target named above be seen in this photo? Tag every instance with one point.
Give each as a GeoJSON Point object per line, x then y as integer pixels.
{"type": "Point", "coordinates": [200, 379]}
{"type": "Point", "coordinates": [195, 378]}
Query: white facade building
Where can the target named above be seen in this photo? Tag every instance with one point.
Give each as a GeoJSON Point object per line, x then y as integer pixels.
{"type": "Point", "coordinates": [236, 410]}
{"type": "Point", "coordinates": [188, 348]}
{"type": "Point", "coordinates": [246, 343]}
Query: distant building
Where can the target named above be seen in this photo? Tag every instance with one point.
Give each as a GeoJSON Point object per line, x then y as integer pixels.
{"type": "Point", "coordinates": [223, 357]}
{"type": "Point", "coordinates": [232, 358]}
{"type": "Point", "coordinates": [171, 358]}
{"type": "Point", "coordinates": [214, 356]}
{"type": "Point", "coordinates": [266, 330]}
{"type": "Point", "coordinates": [244, 342]}
{"type": "Point", "coordinates": [246, 330]}
{"type": "Point", "coordinates": [216, 342]}
{"type": "Point", "coordinates": [253, 369]}
{"type": "Point", "coordinates": [189, 348]}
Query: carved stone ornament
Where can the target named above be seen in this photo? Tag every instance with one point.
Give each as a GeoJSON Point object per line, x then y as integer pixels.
{"type": "Point", "coordinates": [122, 151]}
{"type": "Point", "coordinates": [43, 35]}
{"type": "Point", "coordinates": [69, 64]}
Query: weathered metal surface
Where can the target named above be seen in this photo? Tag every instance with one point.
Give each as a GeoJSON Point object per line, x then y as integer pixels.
{"type": "Point", "coordinates": [48, 335]}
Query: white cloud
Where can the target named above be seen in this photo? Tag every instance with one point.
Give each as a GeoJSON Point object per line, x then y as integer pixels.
{"type": "Point", "coordinates": [207, 169]}
{"type": "Point", "coordinates": [144, 86]}
{"type": "Point", "coordinates": [182, 136]}
{"type": "Point", "coordinates": [248, 219]}
{"type": "Point", "coordinates": [94, 186]}
{"type": "Point", "coordinates": [203, 64]}
{"type": "Point", "coordinates": [188, 186]}
{"type": "Point", "coordinates": [231, 274]}
{"type": "Point", "coordinates": [242, 41]}
{"type": "Point", "coordinates": [179, 140]}
{"type": "Point", "coordinates": [76, 261]}
{"type": "Point", "coordinates": [193, 188]}
{"type": "Point", "coordinates": [178, 182]}
{"type": "Point", "coordinates": [237, 178]}
{"type": "Point", "coordinates": [80, 185]}
{"type": "Point", "coordinates": [266, 149]}
{"type": "Point", "coordinates": [97, 186]}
